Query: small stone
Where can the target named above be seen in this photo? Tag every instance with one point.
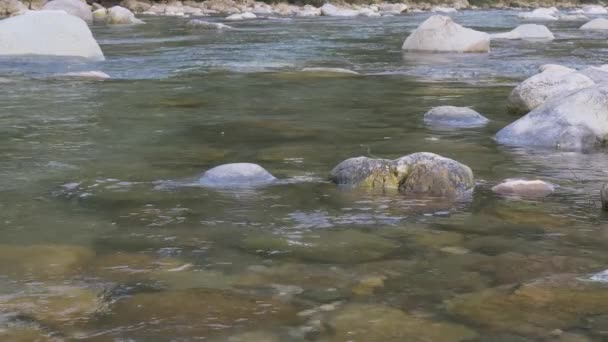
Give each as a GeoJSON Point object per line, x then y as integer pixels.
{"type": "Point", "coordinates": [524, 188]}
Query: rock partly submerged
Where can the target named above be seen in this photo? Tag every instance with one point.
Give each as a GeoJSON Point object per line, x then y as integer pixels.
{"type": "Point", "coordinates": [121, 16]}
{"type": "Point", "coordinates": [206, 25]}
{"type": "Point", "coordinates": [76, 8]}
{"type": "Point", "coordinates": [241, 16]}
{"type": "Point", "coordinates": [417, 173]}
{"type": "Point", "coordinates": [236, 175]}
{"type": "Point", "coordinates": [50, 33]}
{"type": "Point", "coordinates": [89, 75]}
{"type": "Point", "coordinates": [329, 71]}
{"type": "Point", "coordinates": [450, 116]}
{"type": "Point", "coordinates": [574, 121]}
{"type": "Point", "coordinates": [526, 31]}
{"type": "Point", "coordinates": [538, 89]}
{"type": "Point", "coordinates": [540, 14]}
{"type": "Point", "coordinates": [441, 34]}
{"type": "Point", "coordinates": [596, 24]}
{"type": "Point", "coordinates": [524, 188]}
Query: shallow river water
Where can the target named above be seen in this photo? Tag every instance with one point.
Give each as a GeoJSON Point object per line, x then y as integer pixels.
{"type": "Point", "coordinates": [98, 244]}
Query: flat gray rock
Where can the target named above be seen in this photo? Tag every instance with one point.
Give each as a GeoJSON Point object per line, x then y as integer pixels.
{"type": "Point", "coordinates": [236, 175]}
{"type": "Point", "coordinates": [451, 116]}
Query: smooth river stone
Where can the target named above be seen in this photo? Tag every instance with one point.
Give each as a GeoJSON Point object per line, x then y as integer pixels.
{"type": "Point", "coordinates": [450, 116]}
{"type": "Point", "coordinates": [441, 34]}
{"type": "Point", "coordinates": [524, 188]}
{"type": "Point", "coordinates": [236, 175]}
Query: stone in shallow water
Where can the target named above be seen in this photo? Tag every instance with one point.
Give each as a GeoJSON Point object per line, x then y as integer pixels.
{"type": "Point", "coordinates": [524, 188]}
{"type": "Point", "coordinates": [417, 173]}
{"type": "Point", "coordinates": [92, 75]}
{"type": "Point", "coordinates": [42, 261]}
{"type": "Point", "coordinates": [76, 8]}
{"type": "Point", "coordinates": [196, 312]}
{"type": "Point", "coordinates": [596, 24]}
{"type": "Point", "coordinates": [510, 267]}
{"type": "Point", "coordinates": [550, 83]}
{"type": "Point", "coordinates": [573, 122]}
{"type": "Point", "coordinates": [236, 175]}
{"type": "Point", "coordinates": [536, 307]}
{"type": "Point", "coordinates": [369, 322]}
{"type": "Point", "coordinates": [451, 116]}
{"type": "Point", "coordinates": [441, 34]}
{"type": "Point", "coordinates": [48, 33]}
{"type": "Point", "coordinates": [347, 246]}
{"type": "Point", "coordinates": [121, 16]}
{"type": "Point", "coordinates": [526, 31]}
{"type": "Point", "coordinates": [195, 23]}
{"type": "Point", "coordinates": [55, 306]}
{"type": "Point", "coordinates": [330, 71]}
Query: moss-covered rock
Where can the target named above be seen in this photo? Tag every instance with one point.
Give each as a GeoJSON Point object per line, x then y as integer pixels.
{"type": "Point", "coordinates": [367, 322]}
{"type": "Point", "coordinates": [417, 173]}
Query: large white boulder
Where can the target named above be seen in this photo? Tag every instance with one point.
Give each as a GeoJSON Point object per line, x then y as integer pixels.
{"type": "Point", "coordinates": [540, 14]}
{"type": "Point", "coordinates": [594, 9]}
{"type": "Point", "coordinates": [74, 7]}
{"type": "Point", "coordinates": [596, 24]}
{"type": "Point", "coordinates": [541, 87]}
{"type": "Point", "coordinates": [574, 121]}
{"type": "Point", "coordinates": [526, 31]}
{"type": "Point", "coordinates": [121, 16]}
{"type": "Point", "coordinates": [11, 7]}
{"type": "Point", "coordinates": [441, 34]}
{"type": "Point", "coordinates": [51, 33]}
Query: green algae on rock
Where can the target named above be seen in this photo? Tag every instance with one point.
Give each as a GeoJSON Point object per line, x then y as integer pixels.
{"type": "Point", "coordinates": [417, 173]}
{"type": "Point", "coordinates": [368, 322]}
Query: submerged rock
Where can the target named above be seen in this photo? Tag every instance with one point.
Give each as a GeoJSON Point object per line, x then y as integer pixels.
{"type": "Point", "coordinates": [526, 31]}
{"type": "Point", "coordinates": [121, 16]}
{"type": "Point", "coordinates": [347, 246]}
{"type": "Point", "coordinates": [55, 306]}
{"type": "Point", "coordinates": [196, 312]}
{"type": "Point", "coordinates": [454, 117]}
{"type": "Point", "coordinates": [524, 188]}
{"type": "Point", "coordinates": [42, 261]}
{"type": "Point", "coordinates": [441, 9]}
{"type": "Point", "coordinates": [236, 175]}
{"type": "Point", "coordinates": [92, 75]}
{"type": "Point", "coordinates": [208, 25]}
{"type": "Point", "coordinates": [51, 33]}
{"type": "Point", "coordinates": [76, 8]}
{"type": "Point", "coordinates": [417, 173]}
{"type": "Point", "coordinates": [533, 308]}
{"type": "Point", "coordinates": [536, 90]}
{"type": "Point", "coordinates": [596, 24]}
{"type": "Point", "coordinates": [369, 322]}
{"type": "Point", "coordinates": [441, 34]}
{"type": "Point", "coordinates": [330, 71]}
{"type": "Point", "coordinates": [576, 121]}
{"type": "Point", "coordinates": [11, 7]}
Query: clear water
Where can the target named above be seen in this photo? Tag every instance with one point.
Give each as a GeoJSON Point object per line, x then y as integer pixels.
{"type": "Point", "coordinates": [84, 167]}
